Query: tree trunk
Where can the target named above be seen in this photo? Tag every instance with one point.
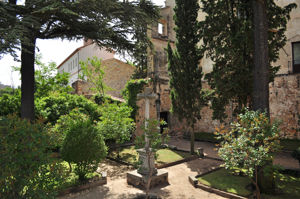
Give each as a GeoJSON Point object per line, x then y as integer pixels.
{"type": "Point", "coordinates": [261, 57]}
{"type": "Point", "coordinates": [192, 141]}
{"type": "Point", "coordinates": [261, 79]}
{"type": "Point", "coordinates": [27, 77]}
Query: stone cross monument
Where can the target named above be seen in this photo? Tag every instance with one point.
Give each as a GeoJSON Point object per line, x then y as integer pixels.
{"type": "Point", "coordinates": [148, 164]}
{"type": "Point", "coordinates": [140, 177]}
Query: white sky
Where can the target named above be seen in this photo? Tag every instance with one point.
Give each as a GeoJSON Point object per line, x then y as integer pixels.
{"type": "Point", "coordinates": [52, 50]}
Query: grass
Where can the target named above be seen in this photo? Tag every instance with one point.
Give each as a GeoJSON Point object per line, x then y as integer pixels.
{"type": "Point", "coordinates": [204, 137]}
{"type": "Point", "coordinates": [287, 186]}
{"type": "Point", "coordinates": [163, 156]}
{"type": "Point", "coordinates": [225, 181]}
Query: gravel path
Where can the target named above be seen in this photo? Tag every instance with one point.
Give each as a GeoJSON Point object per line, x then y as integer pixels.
{"type": "Point", "coordinates": [178, 188]}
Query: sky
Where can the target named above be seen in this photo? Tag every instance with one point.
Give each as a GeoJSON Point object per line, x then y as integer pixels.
{"type": "Point", "coordinates": [52, 50]}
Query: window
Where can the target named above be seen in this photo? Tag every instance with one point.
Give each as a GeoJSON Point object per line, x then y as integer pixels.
{"type": "Point", "coordinates": [160, 28]}
{"type": "Point", "coordinates": [296, 57]}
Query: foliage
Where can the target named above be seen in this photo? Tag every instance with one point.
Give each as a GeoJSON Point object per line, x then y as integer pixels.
{"type": "Point", "coordinates": [7, 90]}
{"type": "Point", "coordinates": [152, 131]}
{"type": "Point", "coordinates": [92, 72]}
{"type": "Point", "coordinates": [48, 80]}
{"type": "Point", "coordinates": [101, 99]}
{"type": "Point", "coordinates": [10, 103]}
{"type": "Point", "coordinates": [141, 46]}
{"type": "Point", "coordinates": [185, 74]}
{"type": "Point", "coordinates": [83, 145]}
{"type": "Point", "coordinates": [27, 171]}
{"type": "Point", "coordinates": [61, 128]}
{"type": "Point", "coordinates": [132, 88]}
{"type": "Point", "coordinates": [228, 40]}
{"type": "Point", "coordinates": [56, 105]}
{"type": "Point", "coordinates": [107, 22]}
{"type": "Point", "coordinates": [116, 123]}
{"type": "Point", "coordinates": [296, 154]}
{"type": "Point", "coordinates": [249, 144]}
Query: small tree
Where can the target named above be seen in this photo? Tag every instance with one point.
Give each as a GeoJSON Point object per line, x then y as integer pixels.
{"type": "Point", "coordinates": [116, 123]}
{"type": "Point", "coordinates": [249, 144]}
{"type": "Point", "coordinates": [92, 72]}
{"type": "Point", "coordinates": [83, 145]}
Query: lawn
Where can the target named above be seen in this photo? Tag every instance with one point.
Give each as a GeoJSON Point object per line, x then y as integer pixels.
{"type": "Point", "coordinates": [224, 180]}
{"type": "Point", "coordinates": [163, 156]}
{"type": "Point", "coordinates": [287, 186]}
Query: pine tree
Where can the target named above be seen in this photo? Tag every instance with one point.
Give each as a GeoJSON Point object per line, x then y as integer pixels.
{"type": "Point", "coordinates": [228, 39]}
{"type": "Point", "coordinates": [185, 73]}
{"type": "Point", "coordinates": [107, 22]}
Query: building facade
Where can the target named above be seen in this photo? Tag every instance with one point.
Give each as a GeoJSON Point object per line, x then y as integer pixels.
{"type": "Point", "coordinates": [117, 73]}
{"type": "Point", "coordinates": [284, 91]}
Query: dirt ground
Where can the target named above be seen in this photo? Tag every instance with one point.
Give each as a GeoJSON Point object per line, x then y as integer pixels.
{"type": "Point", "coordinates": [178, 187]}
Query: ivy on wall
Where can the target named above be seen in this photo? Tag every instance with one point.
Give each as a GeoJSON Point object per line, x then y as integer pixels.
{"type": "Point", "coordinates": [132, 88]}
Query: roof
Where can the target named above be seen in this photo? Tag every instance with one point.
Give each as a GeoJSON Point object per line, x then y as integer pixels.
{"type": "Point", "coordinates": [73, 53]}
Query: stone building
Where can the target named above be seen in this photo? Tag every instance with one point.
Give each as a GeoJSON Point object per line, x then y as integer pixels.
{"type": "Point", "coordinates": [284, 91]}
{"type": "Point", "coordinates": [117, 73]}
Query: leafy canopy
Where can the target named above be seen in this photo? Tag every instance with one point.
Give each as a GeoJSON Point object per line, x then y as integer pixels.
{"type": "Point", "coordinates": [107, 22]}
{"type": "Point", "coordinates": [228, 40]}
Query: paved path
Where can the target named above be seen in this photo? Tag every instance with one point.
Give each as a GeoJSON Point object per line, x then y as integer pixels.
{"type": "Point", "coordinates": [178, 188]}
{"type": "Point", "coordinates": [283, 159]}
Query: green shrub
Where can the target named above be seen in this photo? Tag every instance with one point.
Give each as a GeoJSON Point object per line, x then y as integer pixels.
{"type": "Point", "coordinates": [10, 104]}
{"type": "Point", "coordinates": [249, 144]}
{"type": "Point", "coordinates": [101, 99]}
{"type": "Point", "coordinates": [27, 170]}
{"type": "Point", "coordinates": [59, 131]}
{"type": "Point", "coordinates": [296, 154]}
{"type": "Point", "coordinates": [132, 88]}
{"type": "Point", "coordinates": [56, 105]}
{"type": "Point", "coordinates": [83, 145]}
{"type": "Point", "coordinates": [116, 123]}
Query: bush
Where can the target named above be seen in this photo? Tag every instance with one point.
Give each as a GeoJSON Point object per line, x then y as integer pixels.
{"type": "Point", "coordinates": [83, 145]}
{"type": "Point", "coordinates": [116, 123]}
{"type": "Point", "coordinates": [132, 88]}
{"type": "Point", "coordinates": [296, 154]}
{"type": "Point", "coordinates": [27, 171]}
{"type": "Point", "coordinates": [10, 104]}
{"type": "Point", "coordinates": [101, 99]}
{"type": "Point", "coordinates": [56, 105]}
{"type": "Point", "coordinates": [249, 144]}
{"type": "Point", "coordinates": [59, 131]}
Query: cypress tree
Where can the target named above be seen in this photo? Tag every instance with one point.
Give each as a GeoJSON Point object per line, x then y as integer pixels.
{"type": "Point", "coordinates": [185, 73]}
{"type": "Point", "coordinates": [107, 22]}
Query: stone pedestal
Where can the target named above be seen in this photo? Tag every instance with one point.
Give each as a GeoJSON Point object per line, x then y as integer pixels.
{"type": "Point", "coordinates": [144, 168]}
{"type": "Point", "coordinates": [136, 179]}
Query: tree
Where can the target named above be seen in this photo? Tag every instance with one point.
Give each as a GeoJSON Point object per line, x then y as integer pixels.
{"type": "Point", "coordinates": [107, 22]}
{"type": "Point", "coordinates": [185, 74]}
{"type": "Point", "coordinates": [249, 145]}
{"type": "Point", "coordinates": [48, 80]}
{"type": "Point", "coordinates": [116, 123]}
{"type": "Point", "coordinates": [227, 33]}
{"type": "Point", "coordinates": [92, 72]}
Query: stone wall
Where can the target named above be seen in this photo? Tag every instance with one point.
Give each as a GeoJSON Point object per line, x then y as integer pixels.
{"type": "Point", "coordinates": [285, 104]}
{"type": "Point", "coordinates": [117, 73]}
